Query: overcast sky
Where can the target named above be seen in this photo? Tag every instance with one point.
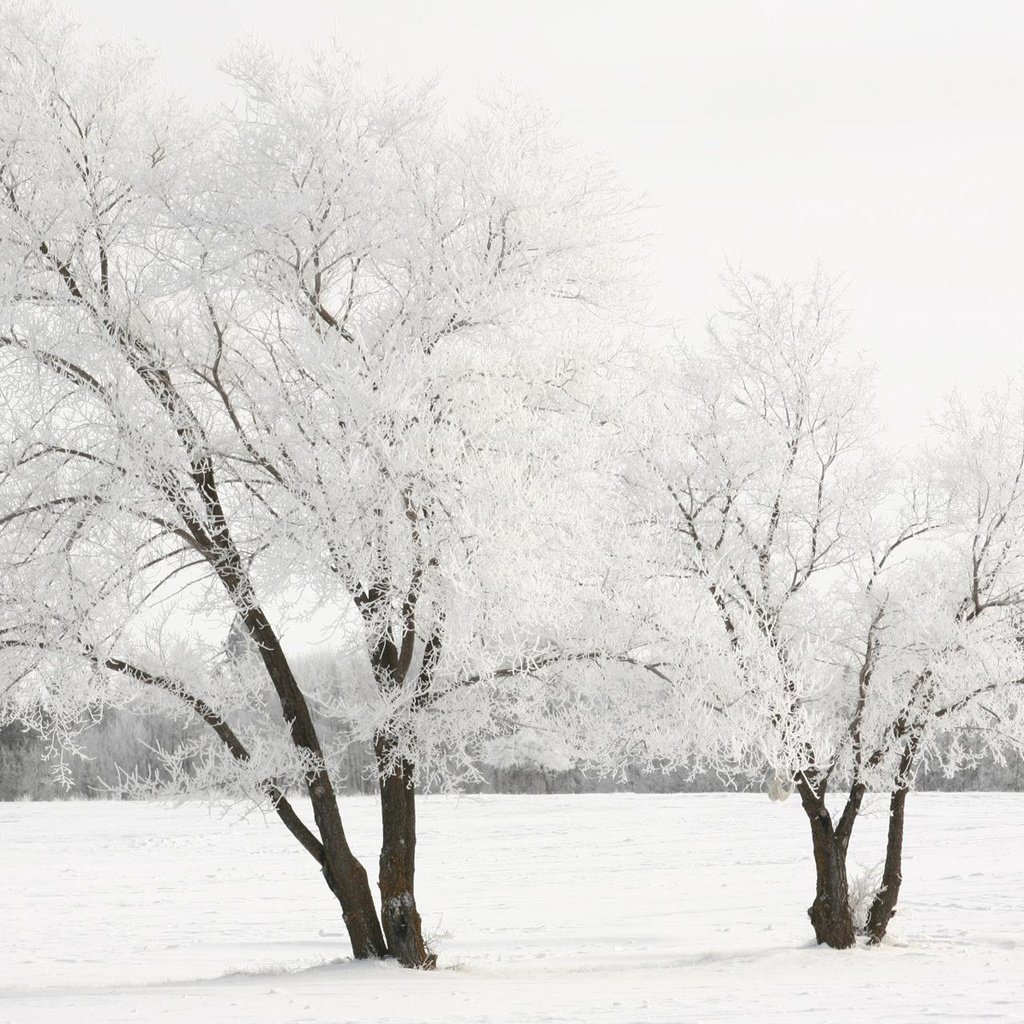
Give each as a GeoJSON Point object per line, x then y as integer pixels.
{"type": "Point", "coordinates": [885, 140]}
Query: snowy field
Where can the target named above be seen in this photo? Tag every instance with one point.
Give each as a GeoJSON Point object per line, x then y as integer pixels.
{"type": "Point", "coordinates": [595, 908]}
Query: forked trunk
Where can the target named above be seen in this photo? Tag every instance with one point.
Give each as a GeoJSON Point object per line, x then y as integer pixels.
{"type": "Point", "coordinates": [403, 929]}
{"type": "Point", "coordinates": [830, 912]}
{"type": "Point", "coordinates": [883, 907]}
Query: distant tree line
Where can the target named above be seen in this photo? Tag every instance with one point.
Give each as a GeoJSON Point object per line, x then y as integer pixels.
{"type": "Point", "coordinates": [121, 742]}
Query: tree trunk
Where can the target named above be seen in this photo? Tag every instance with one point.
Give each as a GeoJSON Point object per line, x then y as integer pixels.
{"type": "Point", "coordinates": [345, 875]}
{"type": "Point", "coordinates": [403, 929]}
{"type": "Point", "coordinates": [347, 879]}
{"type": "Point", "coordinates": [391, 663]}
{"type": "Point", "coordinates": [830, 912]}
{"type": "Point", "coordinates": [883, 907]}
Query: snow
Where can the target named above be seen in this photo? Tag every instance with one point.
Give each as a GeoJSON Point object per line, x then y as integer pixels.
{"type": "Point", "coordinates": [607, 908]}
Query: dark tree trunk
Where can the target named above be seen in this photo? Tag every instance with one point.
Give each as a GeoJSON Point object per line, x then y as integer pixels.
{"type": "Point", "coordinates": [345, 875]}
{"type": "Point", "coordinates": [403, 929]}
{"type": "Point", "coordinates": [347, 879]}
{"type": "Point", "coordinates": [391, 663]}
{"type": "Point", "coordinates": [830, 912]}
{"type": "Point", "coordinates": [883, 907]}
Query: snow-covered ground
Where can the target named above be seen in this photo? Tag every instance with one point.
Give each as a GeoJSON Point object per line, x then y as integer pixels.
{"type": "Point", "coordinates": [593, 908]}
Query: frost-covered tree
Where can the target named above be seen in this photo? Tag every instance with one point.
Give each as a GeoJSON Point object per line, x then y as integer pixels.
{"type": "Point", "coordinates": [842, 635]}
{"type": "Point", "coordinates": [324, 354]}
{"type": "Point", "coordinates": [755, 495]}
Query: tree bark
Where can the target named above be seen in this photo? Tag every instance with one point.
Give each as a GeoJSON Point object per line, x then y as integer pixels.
{"type": "Point", "coordinates": [883, 907]}
{"type": "Point", "coordinates": [830, 912]}
{"type": "Point", "coordinates": [403, 928]}
{"type": "Point", "coordinates": [347, 879]}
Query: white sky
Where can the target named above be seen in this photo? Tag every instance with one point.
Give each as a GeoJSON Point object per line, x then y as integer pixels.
{"type": "Point", "coordinates": [885, 140]}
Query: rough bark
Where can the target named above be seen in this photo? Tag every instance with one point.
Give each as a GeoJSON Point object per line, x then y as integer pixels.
{"type": "Point", "coordinates": [830, 912]}
{"type": "Point", "coordinates": [883, 906]}
{"type": "Point", "coordinates": [403, 928]}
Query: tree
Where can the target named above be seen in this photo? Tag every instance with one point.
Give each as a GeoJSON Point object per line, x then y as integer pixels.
{"type": "Point", "coordinates": [842, 632]}
{"type": "Point", "coordinates": [322, 354]}
{"type": "Point", "coordinates": [752, 496]}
